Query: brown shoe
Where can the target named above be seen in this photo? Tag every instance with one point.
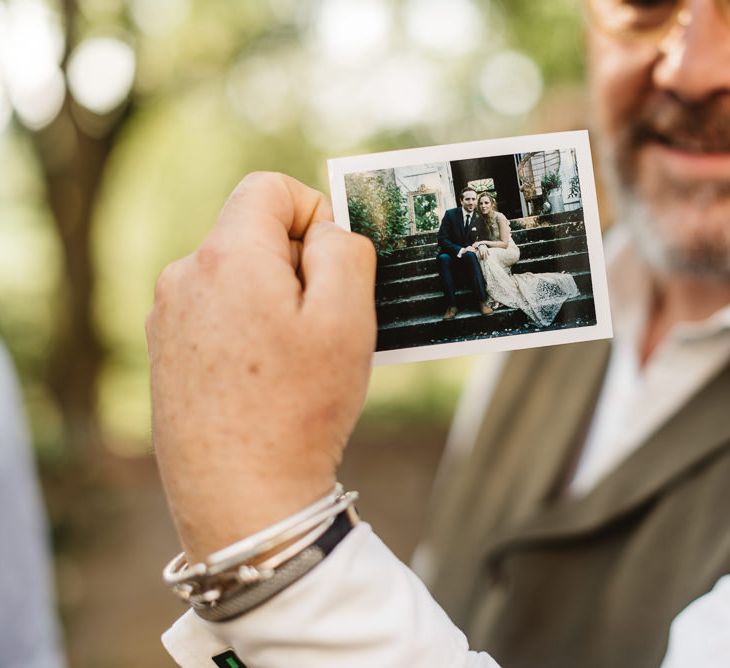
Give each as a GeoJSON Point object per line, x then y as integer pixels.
{"type": "Point", "coordinates": [485, 308]}
{"type": "Point", "coordinates": [450, 313]}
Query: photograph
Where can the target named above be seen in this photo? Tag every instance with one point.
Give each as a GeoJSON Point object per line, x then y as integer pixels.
{"type": "Point", "coordinates": [476, 245]}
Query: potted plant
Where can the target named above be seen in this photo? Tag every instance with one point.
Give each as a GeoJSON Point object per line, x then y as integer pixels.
{"type": "Point", "coordinates": [551, 187]}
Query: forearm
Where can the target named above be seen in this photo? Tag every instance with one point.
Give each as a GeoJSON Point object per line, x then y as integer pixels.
{"type": "Point", "coordinates": [233, 335]}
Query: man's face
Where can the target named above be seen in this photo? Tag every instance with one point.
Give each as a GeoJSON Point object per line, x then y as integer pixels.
{"type": "Point", "coordinates": [469, 200]}
{"type": "Point", "coordinates": [663, 106]}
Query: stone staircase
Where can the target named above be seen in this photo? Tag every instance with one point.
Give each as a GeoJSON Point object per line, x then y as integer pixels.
{"type": "Point", "coordinates": [410, 302]}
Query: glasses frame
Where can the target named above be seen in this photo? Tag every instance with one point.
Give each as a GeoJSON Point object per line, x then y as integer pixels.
{"type": "Point", "coordinates": [652, 34]}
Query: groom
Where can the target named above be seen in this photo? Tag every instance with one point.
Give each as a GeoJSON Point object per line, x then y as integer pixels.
{"type": "Point", "coordinates": [456, 255]}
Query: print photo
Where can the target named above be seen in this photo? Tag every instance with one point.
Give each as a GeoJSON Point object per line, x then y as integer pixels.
{"type": "Point", "coordinates": [489, 245]}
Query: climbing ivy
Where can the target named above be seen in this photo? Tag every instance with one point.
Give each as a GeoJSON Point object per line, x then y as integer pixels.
{"type": "Point", "coordinates": [378, 210]}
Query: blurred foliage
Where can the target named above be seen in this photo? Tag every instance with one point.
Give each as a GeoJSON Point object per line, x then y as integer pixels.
{"type": "Point", "coordinates": [222, 88]}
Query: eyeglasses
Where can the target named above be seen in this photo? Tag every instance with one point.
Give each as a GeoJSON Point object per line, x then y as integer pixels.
{"type": "Point", "coordinates": [645, 19]}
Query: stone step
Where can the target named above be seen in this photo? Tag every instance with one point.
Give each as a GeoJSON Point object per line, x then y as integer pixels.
{"type": "Point", "coordinates": [420, 238]}
{"type": "Point", "coordinates": [528, 249]}
{"type": "Point", "coordinates": [409, 288]}
{"type": "Point", "coordinates": [570, 262]}
{"type": "Point", "coordinates": [542, 232]}
{"type": "Point", "coordinates": [469, 325]}
{"type": "Point", "coordinates": [559, 261]}
{"type": "Point", "coordinates": [541, 227]}
{"type": "Point", "coordinates": [433, 304]}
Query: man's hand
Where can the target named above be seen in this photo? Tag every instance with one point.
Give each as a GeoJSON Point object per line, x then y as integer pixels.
{"type": "Point", "coordinates": [260, 347]}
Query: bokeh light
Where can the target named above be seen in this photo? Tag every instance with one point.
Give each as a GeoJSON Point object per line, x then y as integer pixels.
{"type": "Point", "coordinates": [511, 83]}
{"type": "Point", "coordinates": [101, 73]}
{"type": "Point", "coordinates": [351, 31]}
{"type": "Point", "coordinates": [31, 49]}
{"type": "Point", "coordinates": [454, 26]}
{"type": "Point", "coordinates": [336, 111]}
{"type": "Point", "coordinates": [401, 92]}
{"type": "Point", "coordinates": [160, 17]}
{"type": "Point", "coordinates": [6, 111]}
{"type": "Point", "coordinates": [260, 92]}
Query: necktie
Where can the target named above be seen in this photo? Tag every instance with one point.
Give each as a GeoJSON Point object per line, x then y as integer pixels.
{"type": "Point", "coordinates": [466, 221]}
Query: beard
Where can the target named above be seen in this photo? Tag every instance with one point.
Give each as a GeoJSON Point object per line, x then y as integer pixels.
{"type": "Point", "coordinates": [680, 225]}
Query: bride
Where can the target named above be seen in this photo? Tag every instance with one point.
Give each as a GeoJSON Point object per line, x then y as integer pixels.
{"type": "Point", "coordinates": [539, 296]}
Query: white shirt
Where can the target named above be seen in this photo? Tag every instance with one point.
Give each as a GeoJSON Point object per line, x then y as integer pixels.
{"type": "Point", "coordinates": [634, 401]}
{"type": "Point", "coordinates": [362, 607]}
{"type": "Point", "coordinates": [468, 215]}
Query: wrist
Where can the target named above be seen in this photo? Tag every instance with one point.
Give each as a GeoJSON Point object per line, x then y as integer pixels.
{"type": "Point", "coordinates": [237, 504]}
{"type": "Point", "coordinates": [244, 574]}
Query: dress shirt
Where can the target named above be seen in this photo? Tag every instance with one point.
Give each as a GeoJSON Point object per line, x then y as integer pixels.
{"type": "Point", "coordinates": [468, 215]}
{"type": "Point", "coordinates": [363, 607]}
{"type": "Point", "coordinates": [635, 401]}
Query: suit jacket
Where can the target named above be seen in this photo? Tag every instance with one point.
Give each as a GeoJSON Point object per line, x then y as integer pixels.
{"type": "Point", "coordinates": [452, 236]}
{"type": "Point", "coordinates": [539, 579]}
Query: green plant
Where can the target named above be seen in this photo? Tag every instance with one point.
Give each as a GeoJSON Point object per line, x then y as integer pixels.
{"type": "Point", "coordinates": [551, 181]}
{"type": "Point", "coordinates": [575, 186]}
{"type": "Point", "coordinates": [377, 209]}
{"type": "Point", "coordinates": [426, 213]}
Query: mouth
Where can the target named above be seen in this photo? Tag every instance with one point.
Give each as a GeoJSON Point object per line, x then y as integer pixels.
{"type": "Point", "coordinates": [689, 158]}
{"type": "Point", "coordinates": [696, 145]}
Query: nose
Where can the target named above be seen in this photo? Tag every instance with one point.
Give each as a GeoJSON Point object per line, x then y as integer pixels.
{"type": "Point", "coordinates": [694, 57]}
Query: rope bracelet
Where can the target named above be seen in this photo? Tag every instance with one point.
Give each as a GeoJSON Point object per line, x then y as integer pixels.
{"type": "Point", "coordinates": [228, 584]}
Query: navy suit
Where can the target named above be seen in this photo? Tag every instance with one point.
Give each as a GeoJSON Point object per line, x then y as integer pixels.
{"type": "Point", "coordinates": [452, 238]}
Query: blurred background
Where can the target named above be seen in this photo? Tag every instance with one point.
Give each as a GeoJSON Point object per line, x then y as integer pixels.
{"type": "Point", "coordinates": [123, 126]}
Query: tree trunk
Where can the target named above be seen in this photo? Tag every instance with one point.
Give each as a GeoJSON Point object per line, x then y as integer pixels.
{"type": "Point", "coordinates": [73, 164]}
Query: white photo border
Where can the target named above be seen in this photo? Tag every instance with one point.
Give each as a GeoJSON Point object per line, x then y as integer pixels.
{"type": "Point", "coordinates": [488, 148]}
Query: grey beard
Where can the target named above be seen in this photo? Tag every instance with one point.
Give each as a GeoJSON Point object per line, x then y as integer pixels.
{"type": "Point", "coordinates": [663, 254]}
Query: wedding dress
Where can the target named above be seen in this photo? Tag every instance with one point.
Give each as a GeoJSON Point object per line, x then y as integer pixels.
{"type": "Point", "coordinates": [539, 296]}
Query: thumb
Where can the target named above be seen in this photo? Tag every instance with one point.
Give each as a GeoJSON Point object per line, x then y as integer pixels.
{"type": "Point", "coordinates": [338, 268]}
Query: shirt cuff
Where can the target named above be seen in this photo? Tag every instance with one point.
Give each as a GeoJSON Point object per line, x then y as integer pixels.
{"type": "Point", "coordinates": [361, 607]}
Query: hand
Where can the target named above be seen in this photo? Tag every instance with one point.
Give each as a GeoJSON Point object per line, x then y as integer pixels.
{"type": "Point", "coordinates": [460, 253]}
{"type": "Point", "coordinates": [483, 252]}
{"type": "Point", "coordinates": [260, 347]}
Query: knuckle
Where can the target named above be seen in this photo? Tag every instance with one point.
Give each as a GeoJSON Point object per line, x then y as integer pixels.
{"type": "Point", "coordinates": [208, 258]}
{"type": "Point", "coordinates": [363, 251]}
{"type": "Point", "coordinates": [165, 282]}
{"type": "Point", "coordinates": [260, 180]}
{"type": "Point", "coordinates": [271, 185]}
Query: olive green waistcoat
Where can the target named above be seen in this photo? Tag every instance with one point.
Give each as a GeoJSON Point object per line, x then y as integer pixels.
{"type": "Point", "coordinates": [541, 580]}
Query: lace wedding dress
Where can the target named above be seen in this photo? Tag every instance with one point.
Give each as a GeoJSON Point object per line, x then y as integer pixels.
{"type": "Point", "coordinates": [539, 296]}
